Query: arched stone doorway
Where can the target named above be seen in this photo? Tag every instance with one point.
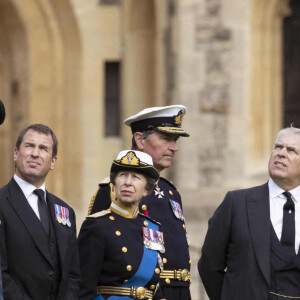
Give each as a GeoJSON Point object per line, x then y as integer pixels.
{"type": "Point", "coordinates": [291, 74]}
{"type": "Point", "coordinates": [13, 82]}
{"type": "Point", "coordinates": [266, 84]}
{"type": "Point", "coordinates": [139, 64]}
{"type": "Point", "coordinates": [40, 83]}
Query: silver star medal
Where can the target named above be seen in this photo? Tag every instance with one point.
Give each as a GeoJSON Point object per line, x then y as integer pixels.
{"type": "Point", "coordinates": [158, 192]}
{"type": "Point", "coordinates": [160, 262]}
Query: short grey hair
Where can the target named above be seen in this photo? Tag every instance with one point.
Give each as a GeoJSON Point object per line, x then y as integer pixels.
{"type": "Point", "coordinates": [145, 134]}
{"type": "Point", "coordinates": [288, 130]}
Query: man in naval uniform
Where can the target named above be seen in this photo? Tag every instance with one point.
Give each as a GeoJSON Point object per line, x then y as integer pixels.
{"type": "Point", "coordinates": [251, 250]}
{"type": "Point", "coordinates": [155, 131]}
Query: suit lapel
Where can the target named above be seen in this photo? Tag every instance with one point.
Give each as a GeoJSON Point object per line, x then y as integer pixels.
{"type": "Point", "coordinates": [61, 231]}
{"type": "Point", "coordinates": [259, 224]}
{"type": "Point", "coordinates": [29, 218]}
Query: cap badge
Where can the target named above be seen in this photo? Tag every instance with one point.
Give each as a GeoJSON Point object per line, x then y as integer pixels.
{"type": "Point", "coordinates": [178, 118]}
{"type": "Point", "coordinates": [130, 159]}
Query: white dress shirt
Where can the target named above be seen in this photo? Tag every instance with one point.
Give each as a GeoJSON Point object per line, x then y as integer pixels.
{"type": "Point", "coordinates": [31, 197]}
{"type": "Point", "coordinates": [277, 201]}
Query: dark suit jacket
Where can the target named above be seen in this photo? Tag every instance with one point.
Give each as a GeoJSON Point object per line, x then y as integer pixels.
{"type": "Point", "coordinates": [26, 262]}
{"type": "Point", "coordinates": [1, 290]}
{"type": "Point", "coordinates": [235, 261]}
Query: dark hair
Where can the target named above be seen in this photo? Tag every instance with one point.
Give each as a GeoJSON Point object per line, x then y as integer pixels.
{"type": "Point", "coordinates": [150, 182]}
{"type": "Point", "coordinates": [42, 129]}
{"type": "Point", "coordinates": [145, 134]}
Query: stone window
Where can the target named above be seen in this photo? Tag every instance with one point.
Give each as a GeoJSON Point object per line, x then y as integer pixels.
{"type": "Point", "coordinates": [112, 98]}
{"type": "Point", "coordinates": [109, 2]}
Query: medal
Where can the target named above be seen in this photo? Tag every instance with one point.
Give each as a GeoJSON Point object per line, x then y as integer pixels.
{"type": "Point", "coordinates": [67, 217]}
{"type": "Point", "coordinates": [153, 239]}
{"type": "Point", "coordinates": [177, 211]}
{"type": "Point", "coordinates": [160, 262]}
{"type": "Point", "coordinates": [62, 215]}
{"type": "Point", "coordinates": [57, 213]}
{"type": "Point", "coordinates": [188, 239]}
{"type": "Point", "coordinates": [158, 192]}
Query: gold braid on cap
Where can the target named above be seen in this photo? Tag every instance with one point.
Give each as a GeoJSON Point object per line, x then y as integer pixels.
{"type": "Point", "coordinates": [178, 118]}
{"type": "Point", "coordinates": [130, 159]}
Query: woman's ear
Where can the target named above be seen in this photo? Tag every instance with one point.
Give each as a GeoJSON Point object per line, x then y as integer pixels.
{"type": "Point", "coordinates": [145, 193]}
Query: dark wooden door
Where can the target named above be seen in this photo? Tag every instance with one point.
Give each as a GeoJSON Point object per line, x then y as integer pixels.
{"type": "Point", "coordinates": [291, 66]}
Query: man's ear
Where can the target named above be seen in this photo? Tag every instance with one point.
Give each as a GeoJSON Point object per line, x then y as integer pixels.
{"type": "Point", "coordinates": [16, 151]}
{"type": "Point", "coordinates": [138, 137]}
{"type": "Point", "coordinates": [53, 161]}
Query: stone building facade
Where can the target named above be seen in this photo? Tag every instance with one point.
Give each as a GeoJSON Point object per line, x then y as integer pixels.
{"type": "Point", "coordinates": [223, 59]}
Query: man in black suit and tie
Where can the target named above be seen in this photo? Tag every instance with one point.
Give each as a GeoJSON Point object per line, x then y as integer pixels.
{"type": "Point", "coordinates": [251, 250]}
{"type": "Point", "coordinates": [2, 118]}
{"type": "Point", "coordinates": [37, 231]}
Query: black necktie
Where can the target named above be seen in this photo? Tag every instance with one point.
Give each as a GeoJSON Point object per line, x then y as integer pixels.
{"type": "Point", "coordinates": [288, 224]}
{"type": "Point", "coordinates": [43, 209]}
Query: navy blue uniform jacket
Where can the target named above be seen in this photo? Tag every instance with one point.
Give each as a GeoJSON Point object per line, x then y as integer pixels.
{"type": "Point", "coordinates": [159, 208]}
{"type": "Point", "coordinates": [111, 249]}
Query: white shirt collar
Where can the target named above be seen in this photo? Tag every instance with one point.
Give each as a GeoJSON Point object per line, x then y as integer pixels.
{"type": "Point", "coordinates": [276, 191]}
{"type": "Point", "coordinates": [27, 187]}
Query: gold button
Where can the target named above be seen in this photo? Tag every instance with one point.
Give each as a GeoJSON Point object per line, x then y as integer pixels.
{"type": "Point", "coordinates": [112, 217]}
{"type": "Point", "coordinates": [124, 249]}
{"type": "Point", "coordinates": [170, 192]}
{"type": "Point", "coordinates": [164, 260]}
{"type": "Point", "coordinates": [168, 281]}
{"type": "Point", "coordinates": [145, 223]}
{"type": "Point", "coordinates": [125, 280]}
{"type": "Point", "coordinates": [189, 243]}
{"type": "Point", "coordinates": [129, 268]}
{"type": "Point", "coordinates": [183, 226]}
{"type": "Point", "coordinates": [152, 287]}
{"type": "Point", "coordinates": [118, 233]}
{"type": "Point", "coordinates": [144, 207]}
{"type": "Point", "coordinates": [190, 262]}
{"type": "Point", "coordinates": [157, 270]}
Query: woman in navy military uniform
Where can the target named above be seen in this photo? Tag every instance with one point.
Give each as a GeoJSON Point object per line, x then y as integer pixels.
{"type": "Point", "coordinates": [119, 247]}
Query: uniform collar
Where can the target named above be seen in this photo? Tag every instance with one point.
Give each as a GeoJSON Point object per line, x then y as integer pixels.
{"type": "Point", "coordinates": [123, 210]}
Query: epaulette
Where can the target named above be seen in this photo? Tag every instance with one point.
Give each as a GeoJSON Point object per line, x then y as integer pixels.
{"type": "Point", "coordinates": [100, 213]}
{"type": "Point", "coordinates": [169, 182]}
{"type": "Point", "coordinates": [92, 201]}
{"type": "Point", "coordinates": [150, 219]}
{"type": "Point", "coordinates": [105, 180]}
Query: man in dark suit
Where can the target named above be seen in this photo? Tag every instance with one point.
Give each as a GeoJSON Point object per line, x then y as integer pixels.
{"type": "Point", "coordinates": [251, 250]}
{"type": "Point", "coordinates": [2, 118]}
{"type": "Point", "coordinates": [37, 230]}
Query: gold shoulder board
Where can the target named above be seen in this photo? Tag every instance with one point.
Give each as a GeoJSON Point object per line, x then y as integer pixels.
{"type": "Point", "coordinates": [100, 213]}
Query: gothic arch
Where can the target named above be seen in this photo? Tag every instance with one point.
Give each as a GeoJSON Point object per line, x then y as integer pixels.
{"type": "Point", "coordinates": [139, 58]}
{"type": "Point", "coordinates": [41, 65]}
{"type": "Point", "coordinates": [265, 100]}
